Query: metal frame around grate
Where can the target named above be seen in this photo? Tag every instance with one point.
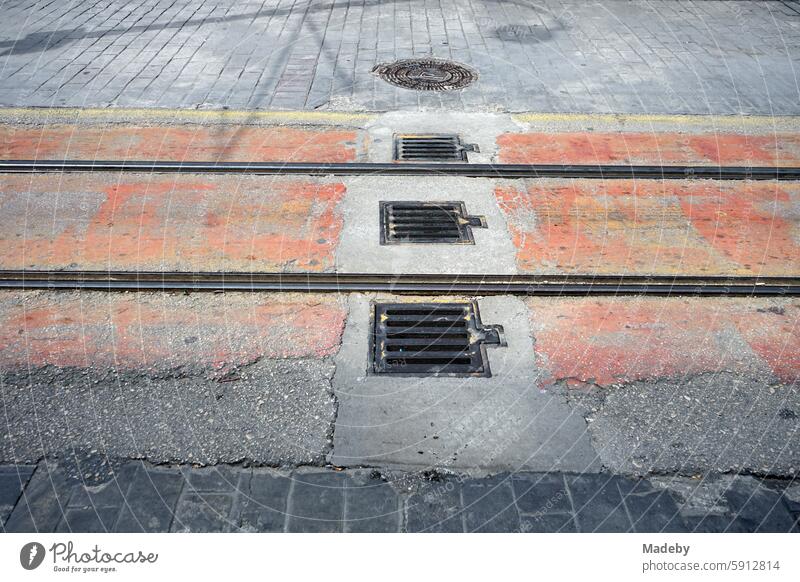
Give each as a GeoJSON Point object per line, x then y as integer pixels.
{"type": "Point", "coordinates": [418, 222]}
{"type": "Point", "coordinates": [431, 339]}
{"type": "Point", "coordinates": [433, 147]}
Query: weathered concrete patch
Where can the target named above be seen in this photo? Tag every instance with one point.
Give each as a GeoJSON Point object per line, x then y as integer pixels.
{"type": "Point", "coordinates": [472, 424]}
{"type": "Point", "coordinates": [271, 412]}
{"type": "Point", "coordinates": [720, 422]}
{"type": "Point", "coordinates": [360, 250]}
{"type": "Point", "coordinates": [482, 129]}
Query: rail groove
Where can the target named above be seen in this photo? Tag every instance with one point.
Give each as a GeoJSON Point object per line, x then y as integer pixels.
{"type": "Point", "coordinates": [409, 169]}
{"type": "Point", "coordinates": [558, 285]}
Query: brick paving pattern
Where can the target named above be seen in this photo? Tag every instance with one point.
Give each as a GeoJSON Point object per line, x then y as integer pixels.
{"type": "Point", "coordinates": [556, 55]}
{"type": "Point", "coordinates": [140, 497]}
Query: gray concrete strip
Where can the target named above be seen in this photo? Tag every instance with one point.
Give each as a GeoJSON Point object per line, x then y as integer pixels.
{"type": "Point", "coordinates": [360, 250]}
{"type": "Point", "coordinates": [471, 424]}
{"type": "Point", "coordinates": [481, 129]}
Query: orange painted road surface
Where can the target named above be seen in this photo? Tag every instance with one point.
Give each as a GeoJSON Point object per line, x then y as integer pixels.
{"type": "Point", "coordinates": [601, 342]}
{"type": "Point", "coordinates": [701, 227]}
{"type": "Point", "coordinates": [293, 224]}
{"type": "Point", "coordinates": [162, 330]}
{"type": "Point", "coordinates": [334, 144]}
{"type": "Point", "coordinates": [167, 222]}
{"type": "Point", "coordinates": [214, 143]}
{"type": "Point", "coordinates": [580, 342]}
{"type": "Point", "coordinates": [779, 149]}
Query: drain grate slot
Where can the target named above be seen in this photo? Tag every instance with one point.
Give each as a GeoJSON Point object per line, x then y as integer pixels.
{"type": "Point", "coordinates": [427, 222]}
{"type": "Point", "coordinates": [432, 148]}
{"type": "Point", "coordinates": [434, 339]}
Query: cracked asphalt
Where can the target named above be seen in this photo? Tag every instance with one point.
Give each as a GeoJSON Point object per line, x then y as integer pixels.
{"type": "Point", "coordinates": [268, 413]}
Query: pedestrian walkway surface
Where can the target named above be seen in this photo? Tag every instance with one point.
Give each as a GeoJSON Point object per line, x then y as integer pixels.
{"type": "Point", "coordinates": [138, 497]}
{"type": "Point", "coordinates": [667, 56]}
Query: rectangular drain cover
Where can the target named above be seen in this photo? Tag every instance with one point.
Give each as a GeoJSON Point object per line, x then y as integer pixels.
{"type": "Point", "coordinates": [431, 148]}
{"type": "Point", "coordinates": [431, 339]}
{"type": "Point", "coordinates": [427, 222]}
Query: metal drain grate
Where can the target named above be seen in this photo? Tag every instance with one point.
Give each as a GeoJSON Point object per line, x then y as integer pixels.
{"type": "Point", "coordinates": [424, 339]}
{"type": "Point", "coordinates": [431, 147]}
{"type": "Point", "coordinates": [427, 222]}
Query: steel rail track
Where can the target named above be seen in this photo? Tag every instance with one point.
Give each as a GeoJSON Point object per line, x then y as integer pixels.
{"type": "Point", "coordinates": [410, 169]}
{"type": "Point", "coordinates": [558, 285]}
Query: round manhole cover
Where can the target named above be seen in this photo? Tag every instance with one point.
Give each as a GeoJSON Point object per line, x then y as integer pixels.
{"type": "Point", "coordinates": [426, 74]}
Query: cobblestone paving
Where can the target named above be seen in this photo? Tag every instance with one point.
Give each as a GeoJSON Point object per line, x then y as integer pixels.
{"type": "Point", "coordinates": [140, 497]}
{"type": "Point", "coordinates": [617, 56]}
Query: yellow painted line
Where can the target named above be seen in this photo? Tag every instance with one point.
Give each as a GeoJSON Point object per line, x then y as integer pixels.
{"type": "Point", "coordinates": [172, 114]}
{"type": "Point", "coordinates": [611, 118]}
{"type": "Point", "coordinates": [217, 115]}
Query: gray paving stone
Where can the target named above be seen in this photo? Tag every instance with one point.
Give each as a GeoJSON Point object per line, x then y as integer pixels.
{"type": "Point", "coordinates": [203, 512]}
{"type": "Point", "coordinates": [111, 493]}
{"type": "Point", "coordinates": [88, 520]}
{"type": "Point", "coordinates": [264, 503]}
{"type": "Point", "coordinates": [598, 503]}
{"type": "Point", "coordinates": [762, 509]}
{"type": "Point", "coordinates": [153, 499]}
{"type": "Point", "coordinates": [548, 523]}
{"type": "Point", "coordinates": [217, 479]}
{"type": "Point", "coordinates": [43, 501]}
{"type": "Point", "coordinates": [489, 505]}
{"type": "Point", "coordinates": [372, 506]}
{"type": "Point", "coordinates": [317, 502]}
{"type": "Point", "coordinates": [436, 508]}
{"type": "Point", "coordinates": [150, 502]}
{"type": "Point", "coordinates": [540, 493]}
{"type": "Point", "coordinates": [650, 510]}
{"type": "Point", "coordinates": [13, 478]}
{"type": "Point", "coordinates": [717, 524]}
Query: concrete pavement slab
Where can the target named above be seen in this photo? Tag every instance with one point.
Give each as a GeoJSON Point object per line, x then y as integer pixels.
{"type": "Point", "coordinates": [360, 250]}
{"type": "Point", "coordinates": [500, 423]}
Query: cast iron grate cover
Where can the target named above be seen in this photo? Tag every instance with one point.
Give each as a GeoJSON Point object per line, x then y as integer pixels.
{"type": "Point", "coordinates": [433, 147]}
{"type": "Point", "coordinates": [426, 74]}
{"type": "Point", "coordinates": [431, 339]}
{"type": "Point", "coordinates": [427, 223]}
